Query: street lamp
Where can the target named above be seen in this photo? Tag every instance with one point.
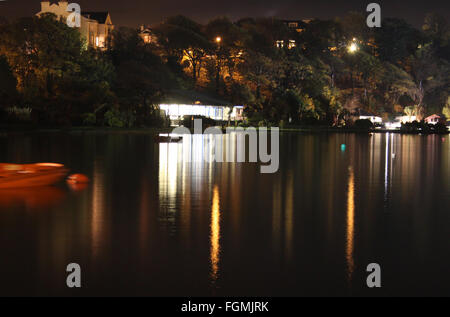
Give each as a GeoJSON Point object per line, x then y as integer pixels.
{"type": "Point", "coordinates": [218, 40]}
{"type": "Point", "coordinates": [353, 47]}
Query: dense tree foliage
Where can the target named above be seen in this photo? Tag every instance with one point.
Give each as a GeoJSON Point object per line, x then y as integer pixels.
{"type": "Point", "coordinates": [8, 83]}
{"type": "Point", "coordinates": [57, 77]}
{"type": "Point", "coordinates": [286, 76]}
{"type": "Point", "coordinates": [318, 72]}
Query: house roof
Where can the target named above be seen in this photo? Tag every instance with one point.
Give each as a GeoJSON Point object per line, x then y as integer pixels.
{"type": "Point", "coordinates": [100, 17]}
{"type": "Point", "coordinates": [192, 97]}
{"type": "Point", "coordinates": [433, 116]}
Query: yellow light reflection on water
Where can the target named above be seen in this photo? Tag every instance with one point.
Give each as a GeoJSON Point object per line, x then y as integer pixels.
{"type": "Point", "coordinates": [168, 170]}
{"type": "Point", "coordinates": [289, 221]}
{"type": "Point", "coordinates": [350, 224]}
{"type": "Point", "coordinates": [98, 209]}
{"type": "Point", "coordinates": [215, 234]}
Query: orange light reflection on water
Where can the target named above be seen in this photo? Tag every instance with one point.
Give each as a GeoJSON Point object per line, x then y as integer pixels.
{"type": "Point", "coordinates": [350, 224]}
{"type": "Point", "coordinates": [215, 234]}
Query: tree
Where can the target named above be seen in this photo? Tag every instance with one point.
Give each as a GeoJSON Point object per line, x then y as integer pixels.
{"type": "Point", "coordinates": [436, 29]}
{"type": "Point", "coordinates": [8, 82]}
{"type": "Point", "coordinates": [183, 39]}
{"type": "Point", "coordinates": [396, 40]}
{"type": "Point", "coordinates": [446, 109]}
{"type": "Point", "coordinates": [320, 36]}
{"type": "Point", "coordinates": [353, 25]}
{"type": "Point", "coordinates": [141, 78]}
{"type": "Point", "coordinates": [412, 111]}
{"type": "Point", "coordinates": [430, 73]}
{"type": "Point", "coordinates": [57, 76]}
{"type": "Point", "coordinates": [368, 68]}
{"type": "Point", "coordinates": [227, 50]}
{"type": "Point", "coordinates": [395, 83]}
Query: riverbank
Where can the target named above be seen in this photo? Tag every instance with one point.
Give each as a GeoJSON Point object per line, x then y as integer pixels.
{"type": "Point", "coordinates": [353, 130]}
{"type": "Point", "coordinates": [6, 130]}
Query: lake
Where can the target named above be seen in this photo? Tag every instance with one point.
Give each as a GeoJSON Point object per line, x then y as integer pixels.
{"type": "Point", "coordinates": [152, 224]}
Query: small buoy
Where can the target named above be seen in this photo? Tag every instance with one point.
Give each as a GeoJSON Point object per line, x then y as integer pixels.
{"type": "Point", "coordinates": [77, 179]}
{"type": "Point", "coordinates": [343, 146]}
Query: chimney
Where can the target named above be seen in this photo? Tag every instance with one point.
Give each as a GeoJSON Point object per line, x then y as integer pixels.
{"type": "Point", "coordinates": [44, 6]}
{"type": "Point", "coordinates": [63, 5]}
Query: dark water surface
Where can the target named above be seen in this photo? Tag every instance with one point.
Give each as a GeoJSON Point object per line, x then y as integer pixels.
{"type": "Point", "coordinates": [151, 224]}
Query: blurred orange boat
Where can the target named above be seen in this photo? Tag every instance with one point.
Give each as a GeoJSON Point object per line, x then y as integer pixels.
{"type": "Point", "coordinates": [31, 175]}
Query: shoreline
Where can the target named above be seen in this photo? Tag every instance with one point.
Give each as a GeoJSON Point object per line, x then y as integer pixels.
{"type": "Point", "coordinates": [11, 130]}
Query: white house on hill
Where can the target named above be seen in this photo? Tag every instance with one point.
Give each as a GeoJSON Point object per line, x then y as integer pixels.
{"type": "Point", "coordinates": [95, 27]}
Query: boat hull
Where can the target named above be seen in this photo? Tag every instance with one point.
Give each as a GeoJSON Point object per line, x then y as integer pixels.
{"type": "Point", "coordinates": [32, 175]}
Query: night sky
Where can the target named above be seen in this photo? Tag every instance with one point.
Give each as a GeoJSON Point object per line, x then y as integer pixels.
{"type": "Point", "coordinates": [135, 12]}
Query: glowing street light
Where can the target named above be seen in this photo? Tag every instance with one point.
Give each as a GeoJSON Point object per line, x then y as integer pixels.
{"type": "Point", "coordinates": [353, 47]}
{"type": "Point", "coordinates": [218, 40]}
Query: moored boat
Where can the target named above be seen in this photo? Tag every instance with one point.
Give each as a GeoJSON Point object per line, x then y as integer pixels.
{"type": "Point", "coordinates": [168, 138]}
{"type": "Point", "coordinates": [31, 175]}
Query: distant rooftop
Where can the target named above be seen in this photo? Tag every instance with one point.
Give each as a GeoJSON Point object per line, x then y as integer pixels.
{"type": "Point", "coordinates": [100, 17]}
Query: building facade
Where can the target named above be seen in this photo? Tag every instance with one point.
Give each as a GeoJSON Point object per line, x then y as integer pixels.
{"type": "Point", "coordinates": [146, 35]}
{"type": "Point", "coordinates": [373, 119]}
{"type": "Point", "coordinates": [434, 119]}
{"type": "Point", "coordinates": [176, 112]}
{"type": "Point", "coordinates": [297, 26]}
{"type": "Point", "coordinates": [95, 27]}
